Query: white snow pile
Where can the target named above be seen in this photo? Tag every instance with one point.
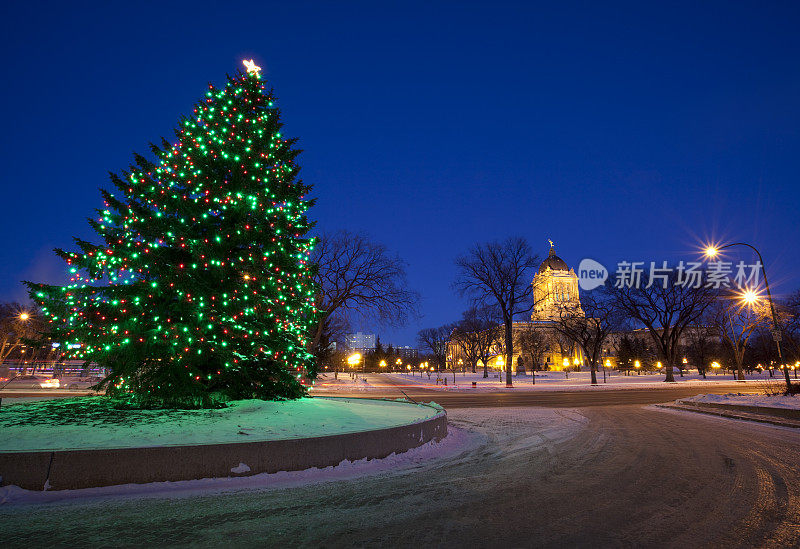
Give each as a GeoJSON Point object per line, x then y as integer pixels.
{"type": "Point", "coordinates": [240, 469]}
{"type": "Point", "coordinates": [241, 421]}
{"type": "Point", "coordinates": [744, 399]}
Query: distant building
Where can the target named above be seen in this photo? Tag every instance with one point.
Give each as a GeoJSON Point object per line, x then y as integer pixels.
{"type": "Point", "coordinates": [359, 341]}
{"type": "Point", "coordinates": [406, 352]}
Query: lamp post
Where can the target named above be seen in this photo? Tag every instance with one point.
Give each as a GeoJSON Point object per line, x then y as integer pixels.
{"type": "Point", "coordinates": [712, 251]}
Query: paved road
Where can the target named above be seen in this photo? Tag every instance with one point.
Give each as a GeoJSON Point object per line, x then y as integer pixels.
{"type": "Point", "coordinates": [598, 476]}
{"type": "Point", "coordinates": [388, 386]}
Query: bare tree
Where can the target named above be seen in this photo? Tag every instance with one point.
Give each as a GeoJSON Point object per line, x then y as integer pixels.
{"type": "Point", "coordinates": [475, 335]}
{"type": "Point", "coordinates": [532, 341]}
{"type": "Point", "coordinates": [590, 330]}
{"type": "Point", "coordinates": [358, 277]}
{"type": "Point", "coordinates": [700, 346]}
{"type": "Point", "coordinates": [499, 272]}
{"type": "Point", "coordinates": [666, 307]}
{"type": "Point", "coordinates": [736, 319]}
{"type": "Point", "coordinates": [435, 341]}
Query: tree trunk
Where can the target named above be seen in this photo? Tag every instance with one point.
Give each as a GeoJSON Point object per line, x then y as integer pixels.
{"type": "Point", "coordinates": [509, 353]}
{"type": "Point", "coordinates": [739, 371]}
{"type": "Point", "coordinates": [670, 374]}
{"type": "Point", "coordinates": [485, 369]}
{"type": "Point", "coordinates": [593, 367]}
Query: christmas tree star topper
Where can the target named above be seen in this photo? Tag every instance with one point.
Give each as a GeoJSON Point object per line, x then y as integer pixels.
{"type": "Point", "coordinates": [251, 66]}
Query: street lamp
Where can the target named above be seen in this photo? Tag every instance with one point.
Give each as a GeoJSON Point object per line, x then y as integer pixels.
{"type": "Point", "coordinates": [383, 364]}
{"type": "Point", "coordinates": [712, 251]}
{"type": "Point", "coordinates": [24, 316]}
{"type": "Point", "coordinates": [354, 359]}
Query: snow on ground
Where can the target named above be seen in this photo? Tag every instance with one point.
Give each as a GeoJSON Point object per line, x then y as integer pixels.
{"type": "Point", "coordinates": [481, 433]}
{"type": "Point", "coordinates": [342, 382]}
{"type": "Point", "coordinates": [778, 401]}
{"type": "Point", "coordinates": [241, 421]}
{"type": "Point", "coordinates": [558, 381]}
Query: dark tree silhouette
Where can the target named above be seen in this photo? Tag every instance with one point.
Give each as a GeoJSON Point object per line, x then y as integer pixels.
{"type": "Point", "coordinates": [358, 277]}
{"type": "Point", "coordinates": [499, 273]}
{"type": "Point", "coordinates": [665, 307]}
{"type": "Point", "coordinates": [589, 331]}
{"type": "Point", "coordinates": [435, 341]}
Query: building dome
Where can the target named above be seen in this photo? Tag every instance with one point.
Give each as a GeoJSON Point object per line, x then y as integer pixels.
{"type": "Point", "coordinates": [554, 262]}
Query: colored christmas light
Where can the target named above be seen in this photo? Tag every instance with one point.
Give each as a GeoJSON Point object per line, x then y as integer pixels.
{"type": "Point", "coordinates": [201, 289]}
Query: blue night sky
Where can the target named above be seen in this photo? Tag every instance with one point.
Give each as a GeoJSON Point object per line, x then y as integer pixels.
{"type": "Point", "coordinates": [621, 131]}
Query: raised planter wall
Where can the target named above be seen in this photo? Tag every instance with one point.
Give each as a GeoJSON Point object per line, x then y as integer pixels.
{"type": "Point", "coordinates": [70, 469]}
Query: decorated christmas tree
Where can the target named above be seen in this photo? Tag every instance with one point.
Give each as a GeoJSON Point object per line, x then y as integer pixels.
{"type": "Point", "coordinates": [201, 289]}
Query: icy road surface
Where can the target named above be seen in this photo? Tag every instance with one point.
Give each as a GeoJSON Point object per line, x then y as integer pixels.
{"type": "Point", "coordinates": [600, 476]}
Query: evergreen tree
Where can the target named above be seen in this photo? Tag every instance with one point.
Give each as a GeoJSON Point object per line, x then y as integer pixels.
{"type": "Point", "coordinates": [201, 290]}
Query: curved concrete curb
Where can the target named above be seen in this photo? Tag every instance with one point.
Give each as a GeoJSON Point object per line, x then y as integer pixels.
{"type": "Point", "coordinates": [70, 469]}
{"type": "Point", "coordinates": [788, 413]}
{"type": "Point", "coordinates": [732, 414]}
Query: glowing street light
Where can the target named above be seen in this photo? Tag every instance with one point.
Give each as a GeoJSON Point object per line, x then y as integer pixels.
{"type": "Point", "coordinates": [712, 251]}
{"type": "Point", "coordinates": [749, 297]}
{"type": "Point", "coordinates": [383, 364]}
{"type": "Point", "coordinates": [24, 316]}
{"type": "Point", "coordinates": [354, 359]}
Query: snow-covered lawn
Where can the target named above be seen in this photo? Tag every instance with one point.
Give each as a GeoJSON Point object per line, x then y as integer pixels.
{"type": "Point", "coordinates": [343, 382]}
{"type": "Point", "coordinates": [47, 426]}
{"type": "Point", "coordinates": [738, 399]}
{"type": "Point", "coordinates": [558, 381]}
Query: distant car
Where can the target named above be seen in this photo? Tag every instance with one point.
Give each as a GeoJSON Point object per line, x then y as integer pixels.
{"type": "Point", "coordinates": [25, 382]}
{"type": "Point", "coordinates": [80, 383]}
{"type": "Point", "coordinates": [29, 381]}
